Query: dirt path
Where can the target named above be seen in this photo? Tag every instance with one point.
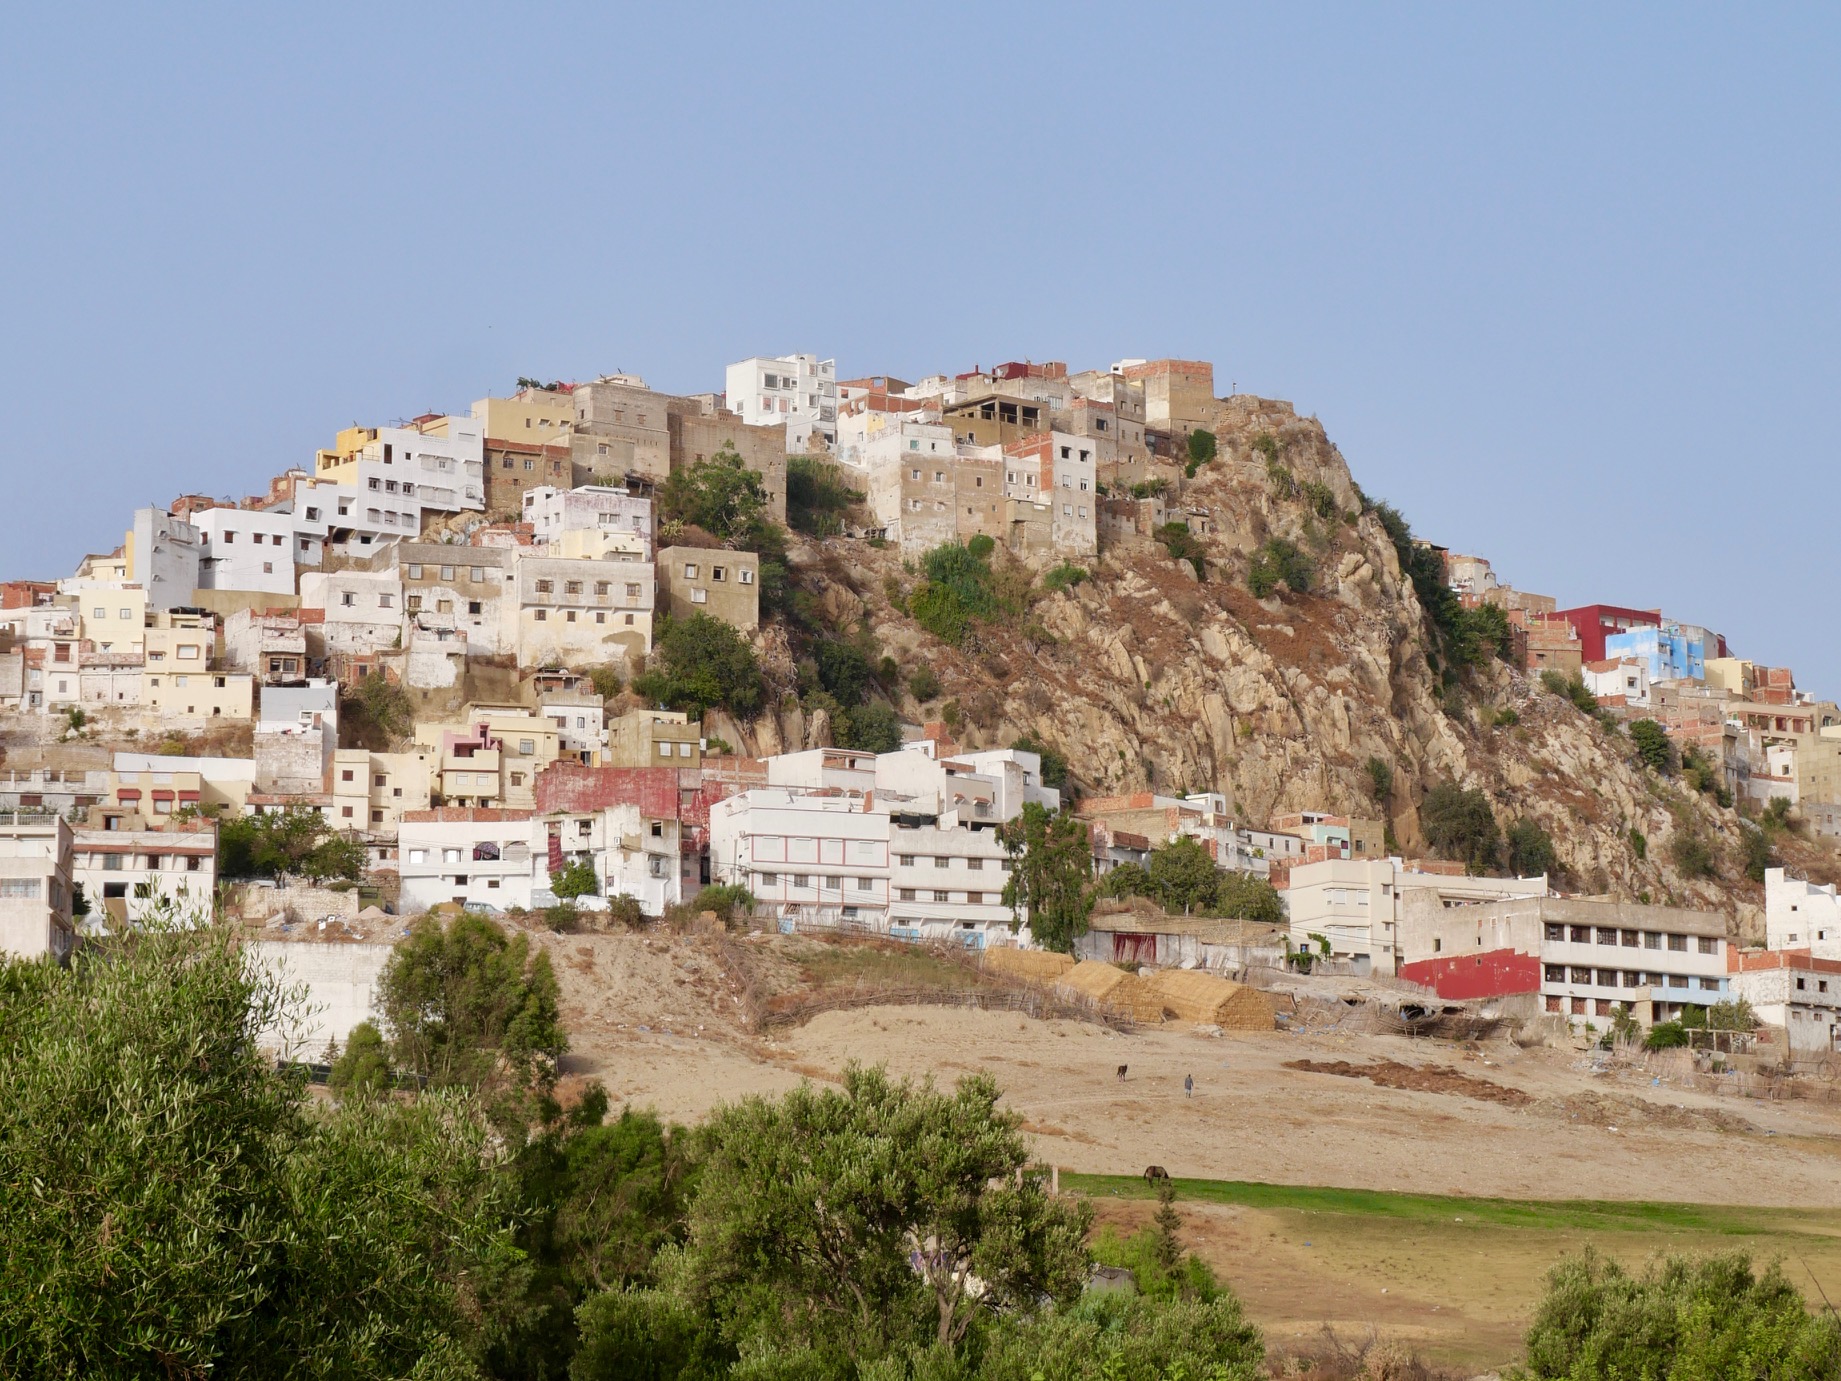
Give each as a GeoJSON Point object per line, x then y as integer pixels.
{"type": "Point", "coordinates": [658, 1021]}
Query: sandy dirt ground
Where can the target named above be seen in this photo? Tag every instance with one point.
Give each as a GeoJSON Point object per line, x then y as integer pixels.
{"type": "Point", "coordinates": [657, 1021]}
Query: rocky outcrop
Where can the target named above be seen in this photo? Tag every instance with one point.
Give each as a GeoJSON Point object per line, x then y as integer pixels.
{"type": "Point", "coordinates": [1145, 677]}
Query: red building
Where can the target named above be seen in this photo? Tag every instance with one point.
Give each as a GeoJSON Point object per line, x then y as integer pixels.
{"type": "Point", "coordinates": [1497, 973]}
{"type": "Point", "coordinates": [1596, 622]}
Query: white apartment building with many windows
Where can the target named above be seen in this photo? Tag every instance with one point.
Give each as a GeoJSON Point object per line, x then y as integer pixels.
{"type": "Point", "coordinates": [797, 391]}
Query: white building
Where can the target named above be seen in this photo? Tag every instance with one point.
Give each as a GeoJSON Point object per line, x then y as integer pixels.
{"type": "Point", "coordinates": [1801, 915]}
{"type": "Point", "coordinates": [1627, 677]}
{"type": "Point", "coordinates": [35, 887]}
{"type": "Point", "coordinates": [633, 855]}
{"type": "Point", "coordinates": [364, 609]}
{"type": "Point", "coordinates": [588, 508]}
{"type": "Point", "coordinates": [162, 555]}
{"type": "Point", "coordinates": [249, 549]}
{"type": "Point", "coordinates": [477, 856]}
{"type": "Point", "coordinates": [1794, 991]}
{"type": "Point", "coordinates": [1579, 958]}
{"type": "Point", "coordinates": [1358, 904]}
{"type": "Point", "coordinates": [583, 613]}
{"type": "Point", "coordinates": [128, 874]}
{"type": "Point", "coordinates": [812, 860]}
{"type": "Point", "coordinates": [796, 391]}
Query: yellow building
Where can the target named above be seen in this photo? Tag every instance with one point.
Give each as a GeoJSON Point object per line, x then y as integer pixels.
{"type": "Point", "coordinates": [370, 791]}
{"type": "Point", "coordinates": [531, 414]}
{"type": "Point", "coordinates": [112, 620]}
{"type": "Point", "coordinates": [595, 544]}
{"type": "Point", "coordinates": [491, 757]}
{"type": "Point", "coordinates": [178, 642]}
{"type": "Point", "coordinates": [654, 738]}
{"type": "Point", "coordinates": [202, 694]}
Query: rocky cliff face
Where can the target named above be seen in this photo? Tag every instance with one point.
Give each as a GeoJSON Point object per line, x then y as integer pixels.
{"type": "Point", "coordinates": [1146, 677]}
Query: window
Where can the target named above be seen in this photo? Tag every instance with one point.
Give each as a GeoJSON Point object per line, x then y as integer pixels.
{"type": "Point", "coordinates": [20, 889]}
{"type": "Point", "coordinates": [1581, 935]}
{"type": "Point", "coordinates": [1582, 975]}
{"type": "Point", "coordinates": [866, 884]}
{"type": "Point", "coordinates": [385, 601]}
{"type": "Point", "coordinates": [1708, 945]}
{"type": "Point", "coordinates": [664, 750]}
{"type": "Point", "coordinates": [1678, 943]}
{"type": "Point", "coordinates": [1629, 939]}
{"type": "Point", "coordinates": [1554, 973]}
{"type": "Point", "coordinates": [1607, 937]}
{"type": "Point", "coordinates": [802, 879]}
{"type": "Point", "coordinates": [632, 589]}
{"type": "Point", "coordinates": [345, 774]}
{"type": "Point", "coordinates": [699, 596]}
{"type": "Point", "coordinates": [542, 616]}
{"type": "Point", "coordinates": [1651, 940]}
{"type": "Point", "coordinates": [544, 587]}
{"type": "Point", "coordinates": [572, 587]}
{"type": "Point", "coordinates": [414, 571]}
{"type": "Point", "coordinates": [418, 855]}
{"type": "Point", "coordinates": [1709, 985]}
{"type": "Point", "coordinates": [942, 896]}
{"type": "Point", "coordinates": [907, 894]}
{"type": "Point", "coordinates": [907, 860]}
{"type": "Point", "coordinates": [943, 861]}
{"type": "Point", "coordinates": [690, 571]}
{"type": "Point", "coordinates": [348, 600]}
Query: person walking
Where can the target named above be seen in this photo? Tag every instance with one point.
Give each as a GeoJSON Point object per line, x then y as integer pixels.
{"type": "Point", "coordinates": [1188, 1085]}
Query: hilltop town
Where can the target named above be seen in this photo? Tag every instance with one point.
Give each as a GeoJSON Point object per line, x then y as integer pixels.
{"type": "Point", "coordinates": [838, 648]}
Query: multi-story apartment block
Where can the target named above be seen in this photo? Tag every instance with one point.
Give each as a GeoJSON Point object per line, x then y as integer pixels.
{"type": "Point", "coordinates": [1359, 906]}
{"type": "Point", "coordinates": [622, 428]}
{"type": "Point", "coordinates": [797, 391]}
{"type": "Point", "coordinates": [463, 592]}
{"type": "Point", "coordinates": [580, 614]}
{"type": "Point", "coordinates": [128, 875]}
{"type": "Point", "coordinates": [372, 791]}
{"type": "Point", "coordinates": [472, 856]}
{"type": "Point", "coordinates": [1573, 957]}
{"type": "Point", "coordinates": [252, 549]}
{"type": "Point", "coordinates": [162, 554]}
{"type": "Point", "coordinates": [1058, 469]}
{"type": "Point", "coordinates": [36, 879]}
{"type": "Point", "coordinates": [594, 508]}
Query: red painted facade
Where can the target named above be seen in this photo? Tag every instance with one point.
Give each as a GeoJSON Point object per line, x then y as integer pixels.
{"type": "Point", "coordinates": [661, 793]}
{"type": "Point", "coordinates": [1494, 973]}
{"type": "Point", "coordinates": [1596, 622]}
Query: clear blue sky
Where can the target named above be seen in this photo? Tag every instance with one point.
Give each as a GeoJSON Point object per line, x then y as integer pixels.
{"type": "Point", "coordinates": [1561, 282]}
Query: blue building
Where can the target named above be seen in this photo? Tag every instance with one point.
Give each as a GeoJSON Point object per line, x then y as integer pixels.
{"type": "Point", "coordinates": [1669, 652]}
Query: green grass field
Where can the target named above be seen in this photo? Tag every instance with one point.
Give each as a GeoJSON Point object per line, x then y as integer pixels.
{"type": "Point", "coordinates": [1457, 1277]}
{"type": "Point", "coordinates": [1552, 1215]}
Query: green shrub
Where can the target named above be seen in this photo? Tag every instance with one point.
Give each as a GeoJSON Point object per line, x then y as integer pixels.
{"type": "Point", "coordinates": [1693, 856]}
{"type": "Point", "coordinates": [1460, 825]}
{"type": "Point", "coordinates": [575, 879]}
{"type": "Point", "coordinates": [1201, 448]}
{"type": "Point", "coordinates": [870, 728]}
{"type": "Point", "coordinates": [1054, 765]}
{"type": "Point", "coordinates": [701, 663]}
{"type": "Point", "coordinates": [727, 900]}
{"type": "Point", "coordinates": [923, 684]}
{"type": "Point", "coordinates": [1279, 562]}
{"type": "Point", "coordinates": [1654, 747]}
{"type": "Point", "coordinates": [1064, 577]}
{"type": "Point", "coordinates": [1530, 850]}
{"type": "Point", "coordinates": [363, 1068]}
{"type": "Point", "coordinates": [1319, 498]}
{"type": "Point", "coordinates": [1680, 1320]}
{"type": "Point", "coordinates": [1183, 545]}
{"type": "Point", "coordinates": [817, 496]}
{"type": "Point", "coordinates": [1639, 843]}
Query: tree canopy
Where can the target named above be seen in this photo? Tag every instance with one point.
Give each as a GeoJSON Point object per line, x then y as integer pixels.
{"type": "Point", "coordinates": [1051, 862]}
{"type": "Point", "coordinates": [470, 1006]}
{"type": "Point", "coordinates": [1460, 825]}
{"type": "Point", "coordinates": [701, 663]}
{"type": "Point", "coordinates": [171, 1205]}
{"type": "Point", "coordinates": [295, 841]}
{"type": "Point", "coordinates": [840, 1222]}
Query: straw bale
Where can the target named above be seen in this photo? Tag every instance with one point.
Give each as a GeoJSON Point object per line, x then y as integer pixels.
{"type": "Point", "coordinates": [1202, 997]}
{"type": "Point", "coordinates": [1030, 965]}
{"type": "Point", "coordinates": [1112, 989]}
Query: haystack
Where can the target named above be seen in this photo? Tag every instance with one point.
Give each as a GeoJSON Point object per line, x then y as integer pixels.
{"type": "Point", "coordinates": [1112, 989]}
{"type": "Point", "coordinates": [1030, 965]}
{"type": "Point", "coordinates": [1201, 997]}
